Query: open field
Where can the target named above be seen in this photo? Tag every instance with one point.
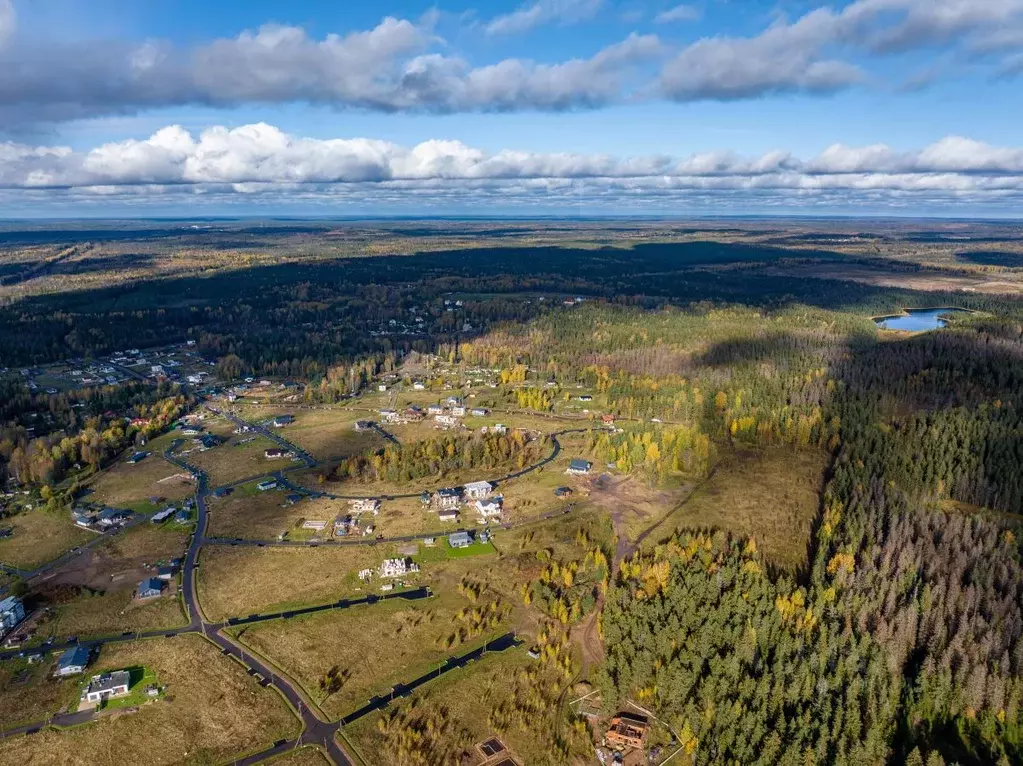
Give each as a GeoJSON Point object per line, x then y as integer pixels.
{"type": "Point", "coordinates": [112, 613]}
{"type": "Point", "coordinates": [303, 756]}
{"type": "Point", "coordinates": [240, 581]}
{"type": "Point", "coordinates": [374, 647]}
{"type": "Point", "coordinates": [149, 542]}
{"type": "Point", "coordinates": [128, 486]}
{"type": "Point", "coordinates": [772, 496]}
{"type": "Point", "coordinates": [40, 536]}
{"type": "Point", "coordinates": [460, 704]}
{"type": "Point", "coordinates": [264, 515]}
{"type": "Point", "coordinates": [28, 693]}
{"type": "Point", "coordinates": [326, 433]}
{"type": "Point", "coordinates": [232, 461]}
{"type": "Point", "coordinates": [212, 711]}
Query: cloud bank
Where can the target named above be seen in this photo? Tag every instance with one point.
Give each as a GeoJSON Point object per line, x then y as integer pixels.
{"type": "Point", "coordinates": [400, 65]}
{"type": "Point", "coordinates": [261, 161]}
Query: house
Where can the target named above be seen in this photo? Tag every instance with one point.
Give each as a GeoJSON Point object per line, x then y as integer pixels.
{"type": "Point", "coordinates": [480, 412]}
{"type": "Point", "coordinates": [446, 420]}
{"type": "Point", "coordinates": [73, 661]}
{"type": "Point", "coordinates": [276, 453]}
{"type": "Point", "coordinates": [563, 492]}
{"type": "Point", "coordinates": [151, 587]}
{"type": "Point", "coordinates": [458, 411]}
{"type": "Point", "coordinates": [293, 498]}
{"type": "Point", "coordinates": [626, 731]}
{"type": "Point", "coordinates": [446, 499]}
{"type": "Point", "coordinates": [454, 401]}
{"type": "Point", "coordinates": [398, 567]}
{"type": "Point", "coordinates": [363, 425]}
{"type": "Point", "coordinates": [477, 490]}
{"type": "Point", "coordinates": [418, 385]}
{"type": "Point", "coordinates": [182, 517]}
{"type": "Point", "coordinates": [449, 515]}
{"type": "Point", "coordinates": [414, 414]}
{"type": "Point", "coordinates": [365, 505]}
{"type": "Point", "coordinates": [111, 517]}
{"type": "Point", "coordinates": [107, 685]}
{"type": "Point", "coordinates": [585, 398]}
{"type": "Point", "coordinates": [138, 457]}
{"type": "Point", "coordinates": [221, 492]}
{"type": "Point", "coordinates": [390, 416]}
{"type": "Point", "coordinates": [608, 420]}
{"type": "Point", "coordinates": [317, 524]}
{"type": "Point", "coordinates": [459, 540]}
{"type": "Point", "coordinates": [382, 387]}
{"type": "Point", "coordinates": [500, 428]}
{"type": "Point", "coordinates": [283, 420]}
{"type": "Point", "coordinates": [207, 441]}
{"type": "Point", "coordinates": [12, 611]}
{"type": "Point", "coordinates": [161, 516]}
{"type": "Point", "coordinates": [83, 517]}
{"type": "Point", "coordinates": [435, 409]}
{"type": "Point", "coordinates": [489, 509]}
{"type": "Point", "coordinates": [265, 486]}
{"type": "Point", "coordinates": [429, 542]}
{"type": "Point", "coordinates": [579, 467]}
{"type": "Point", "coordinates": [166, 573]}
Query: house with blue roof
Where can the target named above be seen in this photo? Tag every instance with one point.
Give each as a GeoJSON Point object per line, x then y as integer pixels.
{"type": "Point", "coordinates": [74, 661]}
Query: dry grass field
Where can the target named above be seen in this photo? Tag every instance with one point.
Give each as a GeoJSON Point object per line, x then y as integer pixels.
{"type": "Point", "coordinates": [772, 496]}
{"type": "Point", "coordinates": [124, 485]}
{"type": "Point", "coordinates": [467, 696]}
{"type": "Point", "coordinates": [233, 461]}
{"type": "Point", "coordinates": [40, 536]}
{"type": "Point", "coordinates": [112, 613]}
{"type": "Point", "coordinates": [148, 542]}
{"type": "Point", "coordinates": [250, 514]}
{"type": "Point", "coordinates": [303, 756]}
{"type": "Point", "coordinates": [28, 693]}
{"type": "Point", "coordinates": [375, 646]}
{"type": "Point", "coordinates": [244, 580]}
{"type": "Point", "coordinates": [212, 712]}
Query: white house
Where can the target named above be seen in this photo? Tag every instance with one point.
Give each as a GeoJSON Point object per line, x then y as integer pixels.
{"type": "Point", "coordinates": [447, 499]}
{"type": "Point", "coordinates": [489, 509]}
{"type": "Point", "coordinates": [317, 524]}
{"type": "Point", "coordinates": [398, 567]}
{"type": "Point", "coordinates": [446, 420]}
{"type": "Point", "coordinates": [449, 515]}
{"type": "Point", "coordinates": [477, 490]}
{"type": "Point", "coordinates": [365, 505]}
{"type": "Point", "coordinates": [107, 685]}
{"type": "Point", "coordinates": [458, 411]}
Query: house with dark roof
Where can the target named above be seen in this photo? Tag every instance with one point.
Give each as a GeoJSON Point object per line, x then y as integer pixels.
{"type": "Point", "coordinates": [73, 661]}
{"type": "Point", "coordinates": [579, 467]}
{"type": "Point", "coordinates": [283, 420]}
{"type": "Point", "coordinates": [103, 687]}
{"type": "Point", "coordinates": [459, 540]}
{"type": "Point", "coordinates": [151, 587]}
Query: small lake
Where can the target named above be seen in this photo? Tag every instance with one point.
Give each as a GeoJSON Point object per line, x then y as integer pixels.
{"type": "Point", "coordinates": [917, 320]}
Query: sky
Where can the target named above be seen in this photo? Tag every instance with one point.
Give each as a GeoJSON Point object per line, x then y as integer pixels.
{"type": "Point", "coordinates": [119, 108]}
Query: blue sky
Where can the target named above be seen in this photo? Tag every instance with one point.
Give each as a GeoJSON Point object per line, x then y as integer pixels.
{"type": "Point", "coordinates": [543, 106]}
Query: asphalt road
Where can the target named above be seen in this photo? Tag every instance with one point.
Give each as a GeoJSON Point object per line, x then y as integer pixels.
{"type": "Point", "coordinates": [317, 730]}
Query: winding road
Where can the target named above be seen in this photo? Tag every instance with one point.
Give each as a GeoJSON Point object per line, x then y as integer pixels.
{"type": "Point", "coordinates": [317, 729]}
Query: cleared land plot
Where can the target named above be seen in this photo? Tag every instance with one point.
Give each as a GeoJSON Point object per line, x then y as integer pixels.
{"type": "Point", "coordinates": [233, 461]}
{"type": "Point", "coordinates": [212, 712]}
{"type": "Point", "coordinates": [131, 486]}
{"type": "Point", "coordinates": [235, 582]}
{"type": "Point", "coordinates": [772, 496]}
{"type": "Point", "coordinates": [112, 613]}
{"type": "Point", "coordinates": [303, 756]}
{"type": "Point", "coordinates": [149, 542]}
{"type": "Point", "coordinates": [326, 434]}
{"type": "Point", "coordinates": [467, 697]}
{"type": "Point", "coordinates": [28, 693]}
{"type": "Point", "coordinates": [40, 536]}
{"type": "Point", "coordinates": [250, 513]}
{"type": "Point", "coordinates": [374, 647]}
